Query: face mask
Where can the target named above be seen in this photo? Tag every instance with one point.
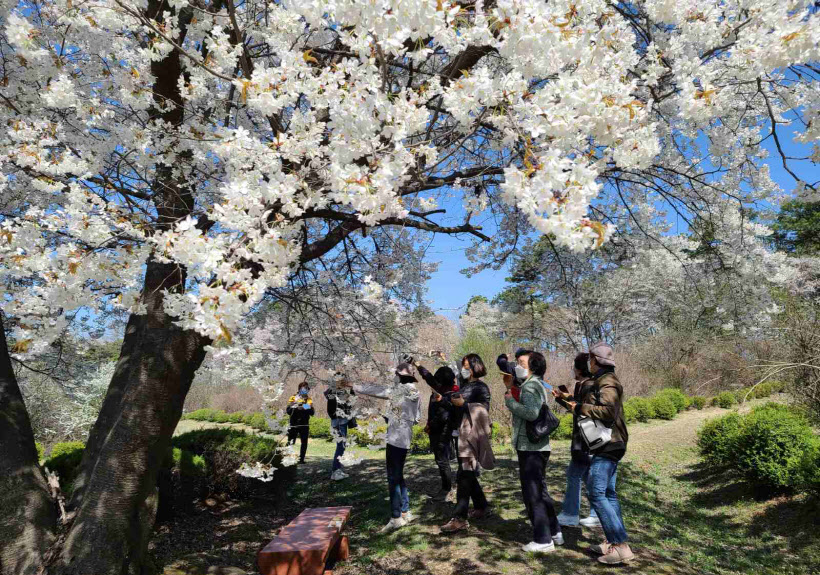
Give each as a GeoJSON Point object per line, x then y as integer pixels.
{"type": "Point", "coordinates": [303, 391]}
{"type": "Point", "coordinates": [521, 372]}
{"type": "Point", "coordinates": [466, 373]}
{"type": "Point", "coordinates": [396, 378]}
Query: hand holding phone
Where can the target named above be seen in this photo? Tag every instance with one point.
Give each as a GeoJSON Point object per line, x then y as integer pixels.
{"type": "Point", "coordinates": [563, 388]}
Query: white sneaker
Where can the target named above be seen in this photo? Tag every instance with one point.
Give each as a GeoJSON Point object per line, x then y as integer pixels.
{"type": "Point", "coordinates": [533, 547]}
{"type": "Point", "coordinates": [408, 517]}
{"type": "Point", "coordinates": [590, 522]}
{"type": "Point", "coordinates": [337, 475]}
{"type": "Point", "coordinates": [558, 538]}
{"type": "Point", "coordinates": [393, 524]}
{"type": "Point", "coordinates": [567, 520]}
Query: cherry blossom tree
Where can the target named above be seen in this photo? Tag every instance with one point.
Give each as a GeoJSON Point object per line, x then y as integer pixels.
{"type": "Point", "coordinates": [184, 160]}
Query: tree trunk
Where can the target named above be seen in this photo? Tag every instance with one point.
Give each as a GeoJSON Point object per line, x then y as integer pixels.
{"type": "Point", "coordinates": [28, 517]}
{"type": "Point", "coordinates": [116, 506]}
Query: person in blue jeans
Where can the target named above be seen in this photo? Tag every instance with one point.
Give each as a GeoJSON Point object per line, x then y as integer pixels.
{"type": "Point", "coordinates": [580, 457]}
{"type": "Point", "coordinates": [402, 413]}
{"type": "Point", "coordinates": [339, 409]}
{"type": "Point", "coordinates": [603, 401]}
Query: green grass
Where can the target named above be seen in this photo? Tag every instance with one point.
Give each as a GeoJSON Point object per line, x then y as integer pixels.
{"type": "Point", "coordinates": [682, 518]}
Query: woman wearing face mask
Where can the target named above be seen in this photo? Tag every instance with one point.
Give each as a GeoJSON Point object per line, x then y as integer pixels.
{"type": "Point", "coordinates": [300, 409]}
{"type": "Point", "coordinates": [578, 468]}
{"type": "Point", "coordinates": [471, 416]}
{"type": "Point", "coordinates": [402, 413]}
{"type": "Point", "coordinates": [533, 456]}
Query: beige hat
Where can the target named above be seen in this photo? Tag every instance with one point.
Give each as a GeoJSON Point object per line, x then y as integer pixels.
{"type": "Point", "coordinates": [604, 354]}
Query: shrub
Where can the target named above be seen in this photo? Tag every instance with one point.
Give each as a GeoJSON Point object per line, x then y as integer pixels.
{"type": "Point", "coordinates": [206, 414]}
{"type": "Point", "coordinates": [225, 450]}
{"type": "Point", "coordinates": [187, 464]}
{"type": "Point", "coordinates": [698, 402]}
{"type": "Point", "coordinates": [64, 460]}
{"type": "Point", "coordinates": [725, 400]}
{"type": "Point", "coordinates": [320, 428]}
{"type": "Point", "coordinates": [40, 450]}
{"type": "Point", "coordinates": [421, 441]}
{"type": "Point", "coordinates": [663, 407]}
{"type": "Point", "coordinates": [771, 447]}
{"type": "Point", "coordinates": [676, 396]}
{"type": "Point", "coordinates": [743, 395]}
{"type": "Point", "coordinates": [689, 401]}
{"type": "Point", "coordinates": [564, 430]}
{"type": "Point", "coordinates": [221, 417]}
{"type": "Point", "coordinates": [255, 420]}
{"type": "Point", "coordinates": [362, 437]}
{"type": "Point", "coordinates": [810, 469]}
{"type": "Point", "coordinates": [717, 439]}
{"type": "Point", "coordinates": [638, 409]}
{"type": "Point", "coordinates": [236, 417]}
{"type": "Point", "coordinates": [502, 433]}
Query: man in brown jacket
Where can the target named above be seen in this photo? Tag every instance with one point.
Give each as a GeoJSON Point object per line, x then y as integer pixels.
{"type": "Point", "coordinates": [603, 401]}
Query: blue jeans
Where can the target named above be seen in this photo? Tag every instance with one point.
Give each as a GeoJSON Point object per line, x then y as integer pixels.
{"type": "Point", "coordinates": [399, 497]}
{"type": "Point", "coordinates": [603, 474]}
{"type": "Point", "coordinates": [341, 430]}
{"type": "Point", "coordinates": [577, 471]}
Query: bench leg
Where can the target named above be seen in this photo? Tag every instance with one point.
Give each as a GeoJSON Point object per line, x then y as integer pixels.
{"type": "Point", "coordinates": [340, 552]}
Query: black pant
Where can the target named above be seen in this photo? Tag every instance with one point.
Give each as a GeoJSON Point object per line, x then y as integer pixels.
{"type": "Point", "coordinates": [396, 486]}
{"type": "Point", "coordinates": [441, 444]}
{"type": "Point", "coordinates": [468, 487]}
{"type": "Point", "coordinates": [302, 432]}
{"type": "Point", "coordinates": [532, 468]}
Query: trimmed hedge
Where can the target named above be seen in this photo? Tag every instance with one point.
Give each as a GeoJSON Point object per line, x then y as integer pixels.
{"type": "Point", "coordinates": [320, 428]}
{"type": "Point", "coordinates": [676, 397]}
{"type": "Point", "coordinates": [256, 420]}
{"type": "Point", "coordinates": [564, 430]}
{"type": "Point", "coordinates": [638, 409]}
{"type": "Point", "coordinates": [698, 402]}
{"type": "Point", "coordinates": [40, 450]}
{"type": "Point", "coordinates": [663, 407]}
{"type": "Point", "coordinates": [773, 448]}
{"type": "Point", "coordinates": [717, 439]}
{"type": "Point", "coordinates": [725, 400]}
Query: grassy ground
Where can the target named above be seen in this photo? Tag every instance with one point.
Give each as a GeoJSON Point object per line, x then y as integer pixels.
{"type": "Point", "coordinates": [682, 519]}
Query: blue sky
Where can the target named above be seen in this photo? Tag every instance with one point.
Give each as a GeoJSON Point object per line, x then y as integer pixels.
{"type": "Point", "coordinates": [449, 290]}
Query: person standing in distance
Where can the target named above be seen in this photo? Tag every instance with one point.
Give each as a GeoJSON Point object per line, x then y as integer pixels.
{"type": "Point", "coordinates": [300, 409]}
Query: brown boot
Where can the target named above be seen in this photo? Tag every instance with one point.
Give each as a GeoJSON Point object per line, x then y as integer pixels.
{"type": "Point", "coordinates": [455, 525]}
{"type": "Point", "coordinates": [479, 513]}
{"type": "Point", "coordinates": [617, 554]}
{"type": "Point", "coordinates": [601, 549]}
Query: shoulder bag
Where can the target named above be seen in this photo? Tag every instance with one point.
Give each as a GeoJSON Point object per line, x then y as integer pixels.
{"type": "Point", "coordinates": [543, 425]}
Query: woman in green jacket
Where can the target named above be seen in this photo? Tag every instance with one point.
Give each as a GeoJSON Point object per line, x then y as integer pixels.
{"type": "Point", "coordinates": [533, 457]}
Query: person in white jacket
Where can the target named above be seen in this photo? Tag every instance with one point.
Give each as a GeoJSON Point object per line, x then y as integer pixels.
{"type": "Point", "coordinates": [403, 412]}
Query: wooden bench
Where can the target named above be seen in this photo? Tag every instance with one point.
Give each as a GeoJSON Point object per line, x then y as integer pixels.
{"type": "Point", "coordinates": [308, 544]}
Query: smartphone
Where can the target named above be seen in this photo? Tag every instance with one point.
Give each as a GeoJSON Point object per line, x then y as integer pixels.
{"type": "Point", "coordinates": [563, 388]}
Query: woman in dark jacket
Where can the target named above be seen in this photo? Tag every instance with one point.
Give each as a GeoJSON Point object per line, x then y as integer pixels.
{"type": "Point", "coordinates": [438, 422]}
{"type": "Point", "coordinates": [580, 457]}
{"type": "Point", "coordinates": [300, 409]}
{"type": "Point", "coordinates": [603, 402]}
{"type": "Point", "coordinates": [471, 406]}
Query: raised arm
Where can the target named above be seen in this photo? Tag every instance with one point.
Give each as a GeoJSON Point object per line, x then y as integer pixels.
{"type": "Point", "coordinates": [373, 390]}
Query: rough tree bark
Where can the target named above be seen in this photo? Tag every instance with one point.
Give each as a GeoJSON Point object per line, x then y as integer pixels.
{"type": "Point", "coordinates": [29, 516]}
{"type": "Point", "coordinates": [110, 527]}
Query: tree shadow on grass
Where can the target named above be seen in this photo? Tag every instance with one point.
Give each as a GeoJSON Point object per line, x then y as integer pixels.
{"type": "Point", "coordinates": [702, 528]}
